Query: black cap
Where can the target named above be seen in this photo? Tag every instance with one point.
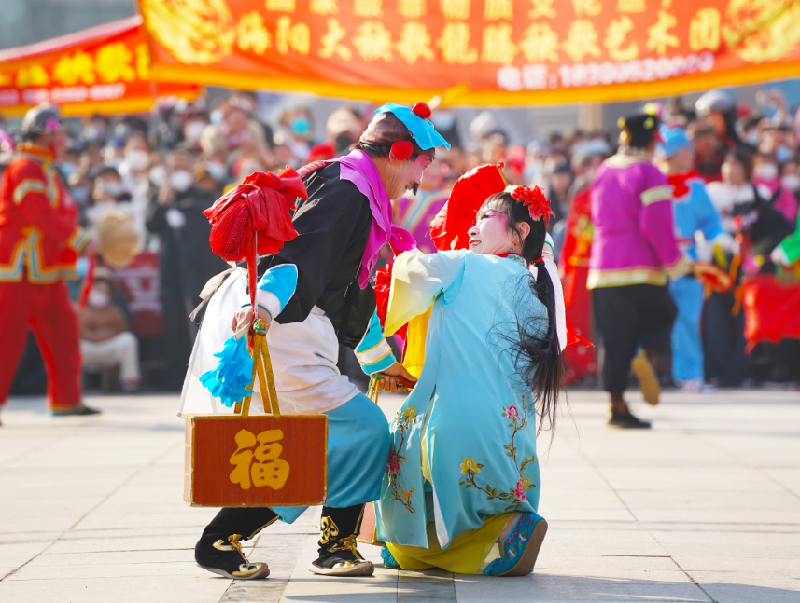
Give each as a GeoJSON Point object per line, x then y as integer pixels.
{"type": "Point", "coordinates": [641, 129]}
{"type": "Point", "coordinates": [562, 167]}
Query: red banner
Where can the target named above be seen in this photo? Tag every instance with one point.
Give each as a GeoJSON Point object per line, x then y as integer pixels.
{"type": "Point", "coordinates": [474, 51]}
{"type": "Point", "coordinates": [770, 309]}
{"type": "Point", "coordinates": [101, 70]}
{"type": "Point", "coordinates": [141, 283]}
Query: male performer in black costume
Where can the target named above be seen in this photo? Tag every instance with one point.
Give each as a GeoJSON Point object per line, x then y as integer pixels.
{"type": "Point", "coordinates": [342, 226]}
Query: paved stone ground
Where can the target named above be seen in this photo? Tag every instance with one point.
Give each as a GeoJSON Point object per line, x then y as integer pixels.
{"type": "Point", "coordinates": [706, 507]}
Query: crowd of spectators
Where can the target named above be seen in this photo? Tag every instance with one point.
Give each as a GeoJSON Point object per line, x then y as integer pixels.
{"type": "Point", "coordinates": [164, 168]}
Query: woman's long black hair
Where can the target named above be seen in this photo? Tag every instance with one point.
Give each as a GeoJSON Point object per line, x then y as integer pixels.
{"type": "Point", "coordinates": [537, 358]}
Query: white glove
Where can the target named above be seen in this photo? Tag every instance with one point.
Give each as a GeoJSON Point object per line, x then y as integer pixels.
{"type": "Point", "coordinates": [778, 256]}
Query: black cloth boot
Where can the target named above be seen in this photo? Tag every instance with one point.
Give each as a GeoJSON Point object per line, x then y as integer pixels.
{"type": "Point", "coordinates": [219, 549]}
{"type": "Point", "coordinates": [338, 555]}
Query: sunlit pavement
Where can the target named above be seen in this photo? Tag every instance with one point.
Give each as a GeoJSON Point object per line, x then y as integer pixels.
{"type": "Point", "coordinates": [705, 507]}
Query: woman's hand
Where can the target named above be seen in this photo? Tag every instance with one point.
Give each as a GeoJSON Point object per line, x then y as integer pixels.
{"type": "Point", "coordinates": [244, 319]}
{"type": "Point", "coordinates": [389, 381]}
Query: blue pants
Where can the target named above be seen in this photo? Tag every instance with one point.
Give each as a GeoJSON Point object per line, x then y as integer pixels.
{"type": "Point", "coordinates": [687, 342]}
{"type": "Point", "coordinates": [358, 448]}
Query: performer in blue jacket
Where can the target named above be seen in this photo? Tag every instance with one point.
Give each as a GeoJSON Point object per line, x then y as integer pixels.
{"type": "Point", "coordinates": [693, 213]}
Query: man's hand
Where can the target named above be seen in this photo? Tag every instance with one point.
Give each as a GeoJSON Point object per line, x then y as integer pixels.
{"type": "Point", "coordinates": [166, 195]}
{"type": "Point", "coordinates": [390, 377]}
{"type": "Point", "coordinates": [91, 248]}
{"type": "Point", "coordinates": [244, 319]}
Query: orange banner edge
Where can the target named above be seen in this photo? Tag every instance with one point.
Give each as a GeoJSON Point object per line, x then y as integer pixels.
{"type": "Point", "coordinates": [210, 76]}
{"type": "Point", "coordinates": [133, 105]}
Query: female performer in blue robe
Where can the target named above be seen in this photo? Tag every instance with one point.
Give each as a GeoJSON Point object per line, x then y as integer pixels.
{"type": "Point", "coordinates": [462, 485]}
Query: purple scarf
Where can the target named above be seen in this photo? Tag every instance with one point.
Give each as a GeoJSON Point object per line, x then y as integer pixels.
{"type": "Point", "coordinates": [358, 168]}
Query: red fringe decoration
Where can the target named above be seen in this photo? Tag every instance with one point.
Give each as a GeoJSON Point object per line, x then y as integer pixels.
{"type": "Point", "coordinates": [253, 218]}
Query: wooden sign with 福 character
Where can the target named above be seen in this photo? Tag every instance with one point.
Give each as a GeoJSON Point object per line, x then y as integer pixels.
{"type": "Point", "coordinates": [255, 461]}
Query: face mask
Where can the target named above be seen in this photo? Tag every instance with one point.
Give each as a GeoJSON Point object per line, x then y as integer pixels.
{"type": "Point", "coordinates": [532, 170]}
{"type": "Point", "coordinates": [80, 193]}
{"type": "Point", "coordinates": [157, 175]}
{"type": "Point", "coordinates": [82, 267]}
{"type": "Point", "coordinates": [300, 125]}
{"type": "Point", "coordinates": [194, 131]}
{"type": "Point", "coordinates": [791, 181]}
{"type": "Point", "coordinates": [122, 131]}
{"type": "Point", "coordinates": [181, 180]}
{"type": "Point", "coordinates": [114, 162]}
{"type": "Point", "coordinates": [98, 299]}
{"type": "Point", "coordinates": [216, 117]}
{"type": "Point", "coordinates": [112, 189]}
{"type": "Point", "coordinates": [67, 169]}
{"type": "Point", "coordinates": [218, 171]}
{"type": "Point", "coordinates": [95, 134]}
{"type": "Point", "coordinates": [138, 160]}
{"type": "Point", "coordinates": [752, 137]}
{"type": "Point", "coordinates": [766, 172]}
{"type": "Point", "coordinates": [784, 153]}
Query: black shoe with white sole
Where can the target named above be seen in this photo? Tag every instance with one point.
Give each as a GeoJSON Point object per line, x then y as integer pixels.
{"type": "Point", "coordinates": [342, 563]}
{"type": "Point", "coordinates": [338, 554]}
{"type": "Point", "coordinates": [227, 559]}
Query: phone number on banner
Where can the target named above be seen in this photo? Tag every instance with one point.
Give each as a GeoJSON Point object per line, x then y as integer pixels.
{"type": "Point", "coordinates": [538, 77]}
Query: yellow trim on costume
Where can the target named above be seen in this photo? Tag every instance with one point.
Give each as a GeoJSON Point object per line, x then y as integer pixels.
{"type": "Point", "coordinates": [627, 158]}
{"type": "Point", "coordinates": [13, 272]}
{"type": "Point", "coordinates": [681, 267]}
{"type": "Point", "coordinates": [30, 185]}
{"type": "Point", "coordinates": [373, 355]}
{"type": "Point", "coordinates": [657, 193]}
{"type": "Point", "coordinates": [55, 189]}
{"type": "Point", "coordinates": [368, 364]}
{"type": "Point", "coordinates": [79, 239]}
{"type": "Point", "coordinates": [38, 274]}
{"type": "Point", "coordinates": [598, 278]}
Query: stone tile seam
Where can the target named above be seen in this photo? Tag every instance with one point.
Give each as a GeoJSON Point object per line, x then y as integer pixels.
{"type": "Point", "coordinates": [127, 480]}
{"type": "Point", "coordinates": [755, 467]}
{"type": "Point", "coordinates": [648, 532]}
{"type": "Point", "coordinates": [44, 444]}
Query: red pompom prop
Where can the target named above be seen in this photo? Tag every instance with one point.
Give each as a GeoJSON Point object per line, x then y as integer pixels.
{"type": "Point", "coordinates": [253, 218]}
{"type": "Point", "coordinates": [450, 228]}
{"type": "Point", "coordinates": [264, 200]}
{"type": "Point", "coordinates": [402, 150]}
{"type": "Point", "coordinates": [422, 110]}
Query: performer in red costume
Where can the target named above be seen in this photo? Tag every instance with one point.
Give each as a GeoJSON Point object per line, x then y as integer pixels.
{"type": "Point", "coordinates": [573, 265]}
{"type": "Point", "coordinates": [39, 243]}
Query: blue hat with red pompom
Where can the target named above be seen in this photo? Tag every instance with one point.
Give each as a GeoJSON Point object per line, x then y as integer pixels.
{"type": "Point", "coordinates": [407, 130]}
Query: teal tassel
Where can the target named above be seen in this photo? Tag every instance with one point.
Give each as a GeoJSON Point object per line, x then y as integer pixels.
{"type": "Point", "coordinates": [388, 559]}
{"type": "Point", "coordinates": [229, 381]}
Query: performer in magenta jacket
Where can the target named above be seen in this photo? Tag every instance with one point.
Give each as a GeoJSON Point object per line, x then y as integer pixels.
{"type": "Point", "coordinates": [634, 254]}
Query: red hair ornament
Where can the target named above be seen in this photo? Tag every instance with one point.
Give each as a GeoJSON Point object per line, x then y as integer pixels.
{"type": "Point", "coordinates": [534, 200]}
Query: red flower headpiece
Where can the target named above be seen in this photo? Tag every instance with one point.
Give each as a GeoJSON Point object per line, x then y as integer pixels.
{"type": "Point", "coordinates": [532, 198]}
